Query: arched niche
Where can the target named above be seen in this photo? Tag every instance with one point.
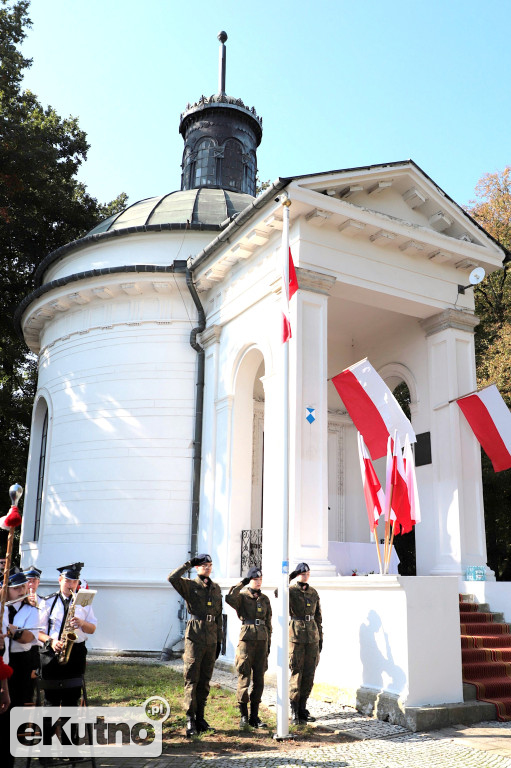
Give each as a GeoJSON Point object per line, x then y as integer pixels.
{"type": "Point", "coordinates": [247, 457]}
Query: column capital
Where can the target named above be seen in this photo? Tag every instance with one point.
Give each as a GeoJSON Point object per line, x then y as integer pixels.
{"type": "Point", "coordinates": [210, 335]}
{"type": "Point", "coordinates": [309, 280]}
{"type": "Point", "coordinates": [450, 318]}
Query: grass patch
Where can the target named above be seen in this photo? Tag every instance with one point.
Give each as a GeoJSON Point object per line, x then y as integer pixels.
{"type": "Point", "coordinates": [130, 684]}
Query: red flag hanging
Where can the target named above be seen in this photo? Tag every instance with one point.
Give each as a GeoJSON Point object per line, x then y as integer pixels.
{"type": "Point", "coordinates": [373, 492]}
{"type": "Point", "coordinates": [373, 408]}
{"type": "Point", "coordinates": [490, 419]}
{"type": "Point", "coordinates": [397, 500]}
{"type": "Point", "coordinates": [287, 295]}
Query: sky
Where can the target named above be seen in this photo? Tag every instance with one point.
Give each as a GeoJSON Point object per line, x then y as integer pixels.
{"type": "Point", "coordinates": [338, 83]}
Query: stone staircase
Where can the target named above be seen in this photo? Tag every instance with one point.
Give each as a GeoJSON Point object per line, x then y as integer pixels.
{"type": "Point", "coordinates": [482, 644]}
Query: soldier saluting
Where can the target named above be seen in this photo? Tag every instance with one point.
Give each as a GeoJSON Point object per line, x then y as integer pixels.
{"type": "Point", "coordinates": [305, 641]}
{"type": "Point", "coordinates": [254, 610]}
{"type": "Point", "coordinates": [203, 637]}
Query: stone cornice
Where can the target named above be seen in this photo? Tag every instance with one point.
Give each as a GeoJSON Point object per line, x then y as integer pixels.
{"type": "Point", "coordinates": [94, 287]}
{"type": "Point", "coordinates": [317, 282]}
{"type": "Point", "coordinates": [450, 318]}
{"type": "Point", "coordinates": [308, 280]}
{"type": "Point", "coordinates": [210, 335]}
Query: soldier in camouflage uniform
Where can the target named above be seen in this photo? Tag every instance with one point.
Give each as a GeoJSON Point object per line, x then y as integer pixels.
{"type": "Point", "coordinates": [254, 610]}
{"type": "Point", "coordinates": [203, 637]}
{"type": "Point", "coordinates": [305, 641]}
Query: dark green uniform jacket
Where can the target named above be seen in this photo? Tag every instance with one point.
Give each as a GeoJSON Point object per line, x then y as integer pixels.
{"type": "Point", "coordinates": [251, 608]}
{"type": "Point", "coordinates": [306, 624]}
{"type": "Point", "coordinates": [202, 601]}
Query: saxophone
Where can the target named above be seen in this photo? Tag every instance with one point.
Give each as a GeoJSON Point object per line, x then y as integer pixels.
{"type": "Point", "coordinates": [68, 635]}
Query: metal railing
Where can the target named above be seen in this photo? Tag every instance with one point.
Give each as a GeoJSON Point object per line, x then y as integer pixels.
{"type": "Point", "coordinates": [251, 549]}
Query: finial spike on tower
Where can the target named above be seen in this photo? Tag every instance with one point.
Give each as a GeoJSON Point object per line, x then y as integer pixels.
{"type": "Point", "coordinates": [222, 36]}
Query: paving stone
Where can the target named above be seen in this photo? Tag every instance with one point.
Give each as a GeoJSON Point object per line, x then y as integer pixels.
{"type": "Point", "coordinates": [378, 744]}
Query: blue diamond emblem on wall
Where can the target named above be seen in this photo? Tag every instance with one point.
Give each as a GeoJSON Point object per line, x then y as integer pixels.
{"type": "Point", "coordinates": [310, 415]}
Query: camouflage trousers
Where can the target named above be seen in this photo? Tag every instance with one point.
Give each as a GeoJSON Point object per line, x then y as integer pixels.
{"type": "Point", "coordinates": [199, 661]}
{"type": "Point", "coordinates": [251, 662]}
{"type": "Point", "coordinates": [303, 660]}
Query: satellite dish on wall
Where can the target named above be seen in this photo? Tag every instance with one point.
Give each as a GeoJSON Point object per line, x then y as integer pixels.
{"type": "Point", "coordinates": [475, 278]}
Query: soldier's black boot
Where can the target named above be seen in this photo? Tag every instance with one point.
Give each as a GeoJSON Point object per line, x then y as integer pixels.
{"type": "Point", "coordinates": [304, 712]}
{"type": "Point", "coordinates": [244, 715]}
{"type": "Point", "coordinates": [200, 723]}
{"type": "Point", "coordinates": [254, 720]}
{"type": "Point", "coordinates": [295, 720]}
{"type": "Point", "coordinates": [191, 729]}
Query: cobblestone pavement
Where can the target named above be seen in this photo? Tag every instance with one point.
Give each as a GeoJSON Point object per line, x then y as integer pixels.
{"type": "Point", "coordinates": [374, 744]}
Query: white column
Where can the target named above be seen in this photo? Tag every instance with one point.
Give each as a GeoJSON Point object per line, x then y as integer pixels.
{"type": "Point", "coordinates": [309, 439]}
{"type": "Point", "coordinates": [455, 523]}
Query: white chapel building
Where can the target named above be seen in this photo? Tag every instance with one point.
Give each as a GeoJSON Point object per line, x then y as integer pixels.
{"type": "Point", "coordinates": [157, 425]}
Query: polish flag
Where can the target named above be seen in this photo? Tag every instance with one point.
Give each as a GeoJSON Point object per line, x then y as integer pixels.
{"type": "Point", "coordinates": [373, 408]}
{"type": "Point", "coordinates": [411, 482]}
{"type": "Point", "coordinates": [397, 501]}
{"type": "Point", "coordinates": [373, 493]}
{"type": "Point", "coordinates": [287, 295]}
{"type": "Point", "coordinates": [490, 419]}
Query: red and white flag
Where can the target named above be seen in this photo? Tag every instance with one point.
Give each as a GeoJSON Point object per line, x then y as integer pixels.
{"type": "Point", "coordinates": [490, 419]}
{"type": "Point", "coordinates": [373, 408]}
{"type": "Point", "coordinates": [411, 482]}
{"type": "Point", "coordinates": [397, 501]}
{"type": "Point", "coordinates": [287, 295]}
{"type": "Point", "coordinates": [373, 492]}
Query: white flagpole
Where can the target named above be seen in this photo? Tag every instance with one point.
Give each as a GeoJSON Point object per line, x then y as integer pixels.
{"type": "Point", "coordinates": [283, 599]}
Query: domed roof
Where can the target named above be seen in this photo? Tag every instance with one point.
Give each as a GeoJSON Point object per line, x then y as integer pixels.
{"type": "Point", "coordinates": [205, 206]}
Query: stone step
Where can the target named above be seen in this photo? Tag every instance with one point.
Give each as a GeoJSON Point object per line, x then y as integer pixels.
{"type": "Point", "coordinates": [469, 692]}
{"type": "Point", "coordinates": [431, 718]}
{"type": "Point", "coordinates": [386, 706]}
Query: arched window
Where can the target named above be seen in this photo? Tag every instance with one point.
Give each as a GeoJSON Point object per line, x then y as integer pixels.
{"type": "Point", "coordinates": [186, 169]}
{"type": "Point", "coordinates": [249, 174]}
{"type": "Point", "coordinates": [40, 475]}
{"type": "Point", "coordinates": [205, 164]}
{"type": "Point", "coordinates": [232, 165]}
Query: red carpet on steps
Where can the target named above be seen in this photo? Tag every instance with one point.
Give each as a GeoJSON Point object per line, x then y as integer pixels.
{"type": "Point", "coordinates": [486, 657]}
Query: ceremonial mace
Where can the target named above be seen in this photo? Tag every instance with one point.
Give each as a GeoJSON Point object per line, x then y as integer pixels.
{"type": "Point", "coordinates": [8, 523]}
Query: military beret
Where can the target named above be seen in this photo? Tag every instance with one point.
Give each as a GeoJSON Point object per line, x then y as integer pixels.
{"type": "Point", "coordinates": [302, 568]}
{"type": "Point", "coordinates": [202, 559]}
{"type": "Point", "coordinates": [254, 573]}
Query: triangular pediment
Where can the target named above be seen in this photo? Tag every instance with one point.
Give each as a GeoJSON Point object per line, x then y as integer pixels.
{"type": "Point", "coordinates": [396, 199]}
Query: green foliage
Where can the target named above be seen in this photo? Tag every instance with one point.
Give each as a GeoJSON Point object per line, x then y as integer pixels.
{"type": "Point", "coordinates": [492, 209]}
{"type": "Point", "coordinates": [42, 207]}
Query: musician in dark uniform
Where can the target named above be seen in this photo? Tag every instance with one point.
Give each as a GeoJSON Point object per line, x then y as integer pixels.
{"type": "Point", "coordinates": [53, 615]}
{"type": "Point", "coordinates": [305, 641]}
{"type": "Point", "coordinates": [23, 631]}
{"type": "Point", "coordinates": [203, 637]}
{"type": "Point", "coordinates": [254, 610]}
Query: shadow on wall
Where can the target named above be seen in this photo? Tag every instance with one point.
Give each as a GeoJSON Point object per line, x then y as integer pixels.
{"type": "Point", "coordinates": [379, 671]}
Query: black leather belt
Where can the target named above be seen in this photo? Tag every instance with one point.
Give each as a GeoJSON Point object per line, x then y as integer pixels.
{"type": "Point", "coordinates": [207, 617]}
{"type": "Point", "coordinates": [302, 618]}
{"type": "Point", "coordinates": [255, 622]}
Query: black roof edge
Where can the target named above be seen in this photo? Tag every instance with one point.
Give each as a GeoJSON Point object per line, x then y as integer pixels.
{"type": "Point", "coordinates": [242, 217]}
{"type": "Point", "coordinates": [100, 236]}
{"type": "Point", "coordinates": [179, 266]}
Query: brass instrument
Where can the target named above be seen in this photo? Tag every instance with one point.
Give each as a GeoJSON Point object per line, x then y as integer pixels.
{"type": "Point", "coordinates": [68, 636]}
